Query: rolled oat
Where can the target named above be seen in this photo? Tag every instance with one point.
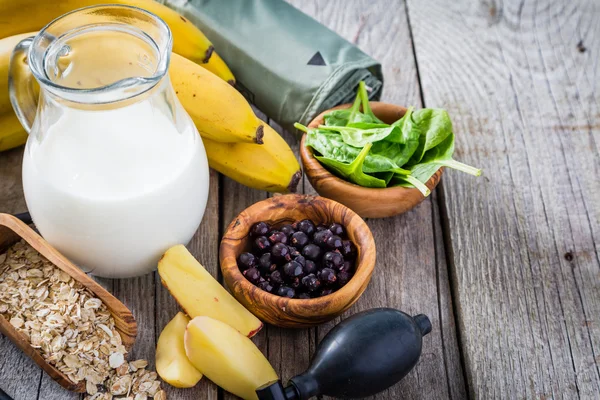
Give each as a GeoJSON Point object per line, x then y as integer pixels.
{"type": "Point", "coordinates": [71, 328]}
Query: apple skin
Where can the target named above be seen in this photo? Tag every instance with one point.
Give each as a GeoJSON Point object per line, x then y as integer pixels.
{"type": "Point", "coordinates": [226, 357]}
{"type": "Point", "coordinates": [172, 363]}
{"type": "Point", "coordinates": [199, 294]}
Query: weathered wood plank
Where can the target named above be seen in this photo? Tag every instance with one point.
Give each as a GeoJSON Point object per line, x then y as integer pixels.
{"type": "Point", "coordinates": [520, 80]}
{"type": "Point", "coordinates": [19, 376]}
{"type": "Point", "coordinates": [289, 350]}
{"type": "Point", "coordinates": [204, 246]}
{"type": "Point", "coordinates": [410, 263]}
{"type": "Point", "coordinates": [235, 197]}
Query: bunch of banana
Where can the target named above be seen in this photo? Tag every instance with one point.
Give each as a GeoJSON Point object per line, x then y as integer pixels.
{"type": "Point", "coordinates": [232, 134]}
{"type": "Point", "coordinates": [217, 109]}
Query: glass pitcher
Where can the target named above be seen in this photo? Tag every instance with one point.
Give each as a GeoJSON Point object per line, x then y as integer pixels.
{"type": "Point", "coordinates": [114, 171]}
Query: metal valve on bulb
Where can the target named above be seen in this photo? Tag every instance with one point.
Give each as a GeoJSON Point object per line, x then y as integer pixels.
{"type": "Point", "coordinates": [363, 355]}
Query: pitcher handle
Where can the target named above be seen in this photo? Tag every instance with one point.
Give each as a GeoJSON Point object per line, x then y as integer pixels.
{"type": "Point", "coordinates": [22, 85]}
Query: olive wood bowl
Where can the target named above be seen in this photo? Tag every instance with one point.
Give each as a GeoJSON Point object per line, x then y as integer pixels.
{"type": "Point", "coordinates": [366, 202]}
{"type": "Point", "coordinates": [11, 231]}
{"type": "Point", "coordinates": [286, 209]}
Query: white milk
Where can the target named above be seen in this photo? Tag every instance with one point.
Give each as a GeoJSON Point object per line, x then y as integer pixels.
{"type": "Point", "coordinates": [113, 189]}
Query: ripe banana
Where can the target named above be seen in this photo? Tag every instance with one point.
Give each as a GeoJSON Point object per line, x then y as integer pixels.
{"type": "Point", "coordinates": [272, 167]}
{"type": "Point", "coordinates": [219, 111]}
{"type": "Point", "coordinates": [12, 133]}
{"type": "Point", "coordinates": [28, 15]}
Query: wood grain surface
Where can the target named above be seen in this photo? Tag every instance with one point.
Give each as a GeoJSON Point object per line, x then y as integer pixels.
{"type": "Point", "coordinates": [521, 81]}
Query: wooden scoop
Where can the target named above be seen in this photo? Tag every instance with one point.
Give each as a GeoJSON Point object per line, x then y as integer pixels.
{"type": "Point", "coordinates": [11, 231]}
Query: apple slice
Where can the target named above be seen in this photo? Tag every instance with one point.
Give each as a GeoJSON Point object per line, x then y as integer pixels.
{"type": "Point", "coordinates": [227, 357]}
{"type": "Point", "coordinates": [172, 364]}
{"type": "Point", "coordinates": [199, 294]}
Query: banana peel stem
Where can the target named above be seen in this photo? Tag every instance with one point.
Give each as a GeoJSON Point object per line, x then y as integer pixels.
{"type": "Point", "coordinates": [293, 186]}
{"type": "Point", "coordinates": [260, 133]}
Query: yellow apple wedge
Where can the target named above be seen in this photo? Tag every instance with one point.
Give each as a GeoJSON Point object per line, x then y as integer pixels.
{"type": "Point", "coordinates": [199, 294]}
{"type": "Point", "coordinates": [226, 357]}
{"type": "Point", "coordinates": [172, 363]}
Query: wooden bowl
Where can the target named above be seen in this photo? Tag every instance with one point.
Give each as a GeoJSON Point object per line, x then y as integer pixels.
{"type": "Point", "coordinates": [366, 202]}
{"type": "Point", "coordinates": [11, 231]}
{"type": "Point", "coordinates": [280, 210]}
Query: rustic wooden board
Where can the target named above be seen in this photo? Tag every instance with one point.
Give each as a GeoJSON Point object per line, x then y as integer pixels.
{"type": "Point", "coordinates": [409, 260]}
{"type": "Point", "coordinates": [204, 246]}
{"type": "Point", "coordinates": [20, 377]}
{"type": "Point", "coordinates": [521, 82]}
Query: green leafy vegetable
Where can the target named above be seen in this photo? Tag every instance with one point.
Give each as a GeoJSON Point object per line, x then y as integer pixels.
{"type": "Point", "coordinates": [360, 137]}
{"type": "Point", "coordinates": [362, 149]}
{"type": "Point", "coordinates": [440, 156]}
{"type": "Point", "coordinates": [364, 99]}
{"type": "Point", "coordinates": [353, 172]}
{"type": "Point", "coordinates": [337, 118]}
{"type": "Point", "coordinates": [434, 126]}
{"type": "Point", "coordinates": [331, 145]}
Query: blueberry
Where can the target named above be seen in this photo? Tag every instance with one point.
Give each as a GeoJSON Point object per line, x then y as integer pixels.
{"type": "Point", "coordinates": [278, 237]}
{"type": "Point", "coordinates": [343, 277]}
{"type": "Point", "coordinates": [294, 252]}
{"type": "Point", "coordinates": [252, 275]}
{"type": "Point", "coordinates": [293, 269]}
{"type": "Point", "coordinates": [266, 264]}
{"type": "Point", "coordinates": [246, 260]}
{"type": "Point", "coordinates": [276, 278]}
{"type": "Point", "coordinates": [306, 226]}
{"type": "Point", "coordinates": [334, 242]}
{"type": "Point", "coordinates": [299, 240]}
{"type": "Point", "coordinates": [266, 286]}
{"type": "Point", "coordinates": [320, 228]}
{"type": "Point", "coordinates": [336, 229]}
{"type": "Point", "coordinates": [311, 252]}
{"type": "Point", "coordinates": [280, 252]}
{"type": "Point", "coordinates": [310, 267]}
{"type": "Point", "coordinates": [333, 260]}
{"type": "Point", "coordinates": [295, 283]}
{"type": "Point", "coordinates": [321, 237]}
{"type": "Point", "coordinates": [300, 260]}
{"type": "Point", "coordinates": [303, 296]}
{"type": "Point", "coordinates": [325, 292]}
{"type": "Point", "coordinates": [327, 276]}
{"type": "Point", "coordinates": [259, 229]}
{"type": "Point", "coordinates": [288, 230]}
{"type": "Point", "coordinates": [286, 291]}
{"type": "Point", "coordinates": [348, 266]}
{"type": "Point", "coordinates": [262, 244]}
{"type": "Point", "coordinates": [311, 282]}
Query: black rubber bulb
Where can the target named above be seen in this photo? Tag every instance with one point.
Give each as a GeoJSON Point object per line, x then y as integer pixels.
{"type": "Point", "coordinates": [363, 355]}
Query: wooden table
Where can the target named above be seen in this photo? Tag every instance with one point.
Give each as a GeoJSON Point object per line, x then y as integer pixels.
{"type": "Point", "coordinates": [507, 266]}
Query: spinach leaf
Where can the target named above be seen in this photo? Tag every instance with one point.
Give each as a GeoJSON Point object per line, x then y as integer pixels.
{"type": "Point", "coordinates": [331, 145]}
{"type": "Point", "coordinates": [386, 176]}
{"type": "Point", "coordinates": [353, 172]}
{"type": "Point", "coordinates": [366, 106]}
{"type": "Point", "coordinates": [337, 118]}
{"type": "Point", "coordinates": [360, 137]}
{"type": "Point", "coordinates": [440, 156]}
{"type": "Point", "coordinates": [434, 126]}
{"type": "Point", "coordinates": [366, 125]}
{"type": "Point", "coordinates": [410, 182]}
{"type": "Point", "coordinates": [353, 116]}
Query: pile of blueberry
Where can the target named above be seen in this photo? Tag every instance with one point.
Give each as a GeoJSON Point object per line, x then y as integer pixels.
{"type": "Point", "coordinates": [300, 260]}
